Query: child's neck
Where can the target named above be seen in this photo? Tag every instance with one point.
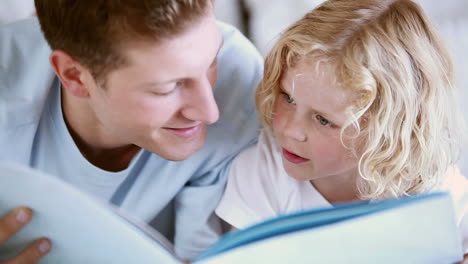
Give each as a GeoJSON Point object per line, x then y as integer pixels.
{"type": "Point", "coordinates": [337, 189]}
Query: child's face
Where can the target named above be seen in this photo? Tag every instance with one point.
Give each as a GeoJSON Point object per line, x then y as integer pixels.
{"type": "Point", "coordinates": [309, 113]}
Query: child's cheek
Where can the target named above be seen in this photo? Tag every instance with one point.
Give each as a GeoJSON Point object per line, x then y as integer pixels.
{"type": "Point", "coordinates": [279, 121]}
{"type": "Point", "coordinates": [324, 151]}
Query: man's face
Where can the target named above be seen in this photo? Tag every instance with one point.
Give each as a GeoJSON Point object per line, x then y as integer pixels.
{"type": "Point", "coordinates": [163, 100]}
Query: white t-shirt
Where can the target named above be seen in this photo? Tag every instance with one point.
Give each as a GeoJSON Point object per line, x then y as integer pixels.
{"type": "Point", "coordinates": [259, 188]}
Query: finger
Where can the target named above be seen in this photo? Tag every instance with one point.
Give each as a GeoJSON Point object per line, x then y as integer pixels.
{"type": "Point", "coordinates": [13, 222]}
{"type": "Point", "coordinates": [33, 253]}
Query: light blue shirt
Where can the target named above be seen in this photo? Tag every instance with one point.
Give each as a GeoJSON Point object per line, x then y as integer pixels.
{"type": "Point", "coordinates": [33, 132]}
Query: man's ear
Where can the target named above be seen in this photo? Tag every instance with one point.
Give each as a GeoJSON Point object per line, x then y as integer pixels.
{"type": "Point", "coordinates": [71, 73]}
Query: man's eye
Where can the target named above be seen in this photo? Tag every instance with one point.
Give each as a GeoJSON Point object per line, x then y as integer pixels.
{"type": "Point", "coordinates": [323, 121]}
{"type": "Point", "coordinates": [170, 88]}
{"type": "Point", "coordinates": [179, 84]}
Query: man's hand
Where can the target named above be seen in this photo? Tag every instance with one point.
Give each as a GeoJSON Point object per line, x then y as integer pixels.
{"type": "Point", "coordinates": [12, 223]}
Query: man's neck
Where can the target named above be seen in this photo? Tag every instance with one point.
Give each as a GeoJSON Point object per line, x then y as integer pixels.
{"type": "Point", "coordinates": [92, 141]}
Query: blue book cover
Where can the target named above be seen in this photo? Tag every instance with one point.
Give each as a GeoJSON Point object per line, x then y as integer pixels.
{"type": "Point", "coordinates": [416, 229]}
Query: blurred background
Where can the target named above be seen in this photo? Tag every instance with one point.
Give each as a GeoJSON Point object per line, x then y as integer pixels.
{"type": "Point", "coordinates": [263, 20]}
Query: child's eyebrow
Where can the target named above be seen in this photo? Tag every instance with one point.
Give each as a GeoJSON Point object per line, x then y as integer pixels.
{"type": "Point", "coordinates": [294, 83]}
{"type": "Point", "coordinates": [283, 82]}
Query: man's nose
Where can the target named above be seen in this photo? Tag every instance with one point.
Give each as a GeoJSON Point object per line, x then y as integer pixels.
{"type": "Point", "coordinates": [201, 105]}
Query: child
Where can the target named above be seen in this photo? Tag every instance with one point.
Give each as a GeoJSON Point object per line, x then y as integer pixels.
{"type": "Point", "coordinates": [358, 104]}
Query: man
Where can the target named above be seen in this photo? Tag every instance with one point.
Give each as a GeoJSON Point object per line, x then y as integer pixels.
{"type": "Point", "coordinates": [128, 110]}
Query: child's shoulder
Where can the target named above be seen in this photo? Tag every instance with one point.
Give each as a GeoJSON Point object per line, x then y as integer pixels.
{"type": "Point", "coordinates": [457, 185]}
{"type": "Point", "coordinates": [455, 182]}
{"type": "Point", "coordinates": [268, 147]}
{"type": "Point", "coordinates": [262, 159]}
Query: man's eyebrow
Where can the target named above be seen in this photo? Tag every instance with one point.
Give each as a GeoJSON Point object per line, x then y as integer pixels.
{"type": "Point", "coordinates": [179, 79]}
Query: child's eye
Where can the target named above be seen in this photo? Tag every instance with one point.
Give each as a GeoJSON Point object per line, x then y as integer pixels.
{"type": "Point", "coordinates": [289, 99]}
{"type": "Point", "coordinates": [323, 121]}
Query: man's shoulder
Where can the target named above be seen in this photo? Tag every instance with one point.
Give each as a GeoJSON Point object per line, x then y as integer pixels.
{"type": "Point", "coordinates": [240, 69]}
{"type": "Point", "coordinates": [237, 49]}
{"type": "Point", "coordinates": [19, 40]}
{"type": "Point", "coordinates": [23, 28]}
{"type": "Point", "coordinates": [25, 72]}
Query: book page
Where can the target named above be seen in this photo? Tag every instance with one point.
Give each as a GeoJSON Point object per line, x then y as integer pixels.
{"type": "Point", "coordinates": [82, 229]}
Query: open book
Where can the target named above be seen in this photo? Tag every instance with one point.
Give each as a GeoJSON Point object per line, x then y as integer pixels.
{"type": "Point", "coordinates": [418, 229]}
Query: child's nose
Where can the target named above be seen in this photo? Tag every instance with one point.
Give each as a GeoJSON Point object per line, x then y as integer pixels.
{"type": "Point", "coordinates": [294, 130]}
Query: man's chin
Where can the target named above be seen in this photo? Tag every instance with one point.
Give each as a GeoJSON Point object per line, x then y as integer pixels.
{"type": "Point", "coordinates": [180, 153]}
{"type": "Point", "coordinates": [177, 149]}
{"type": "Point", "coordinates": [178, 156]}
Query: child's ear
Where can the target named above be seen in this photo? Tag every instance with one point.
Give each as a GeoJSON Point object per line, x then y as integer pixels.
{"type": "Point", "coordinates": [71, 73]}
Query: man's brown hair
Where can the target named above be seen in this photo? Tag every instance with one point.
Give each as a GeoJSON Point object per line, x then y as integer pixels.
{"type": "Point", "coordinates": [93, 31]}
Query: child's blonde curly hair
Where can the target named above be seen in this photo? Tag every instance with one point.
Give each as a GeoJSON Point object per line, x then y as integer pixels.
{"type": "Point", "coordinates": [404, 107]}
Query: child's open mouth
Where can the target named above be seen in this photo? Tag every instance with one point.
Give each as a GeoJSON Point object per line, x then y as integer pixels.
{"type": "Point", "coordinates": [291, 157]}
